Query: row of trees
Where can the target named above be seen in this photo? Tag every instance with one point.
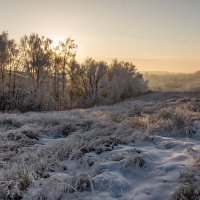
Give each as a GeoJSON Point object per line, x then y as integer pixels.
{"type": "Point", "coordinates": [36, 76]}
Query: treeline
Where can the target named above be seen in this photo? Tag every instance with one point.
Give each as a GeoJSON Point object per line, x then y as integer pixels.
{"type": "Point", "coordinates": [173, 82]}
{"type": "Point", "coordinates": [35, 76]}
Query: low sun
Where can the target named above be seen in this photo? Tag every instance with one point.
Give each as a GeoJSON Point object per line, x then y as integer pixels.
{"type": "Point", "coordinates": [56, 40]}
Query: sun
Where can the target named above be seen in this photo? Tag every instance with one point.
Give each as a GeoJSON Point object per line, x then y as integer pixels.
{"type": "Point", "coordinates": [56, 39]}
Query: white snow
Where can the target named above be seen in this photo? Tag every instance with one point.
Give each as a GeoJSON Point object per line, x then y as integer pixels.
{"type": "Point", "coordinates": [157, 179]}
{"type": "Point", "coordinates": [110, 152]}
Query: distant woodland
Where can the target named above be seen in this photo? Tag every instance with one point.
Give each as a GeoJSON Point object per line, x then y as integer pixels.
{"type": "Point", "coordinates": [172, 82]}
{"type": "Point", "coordinates": [35, 76]}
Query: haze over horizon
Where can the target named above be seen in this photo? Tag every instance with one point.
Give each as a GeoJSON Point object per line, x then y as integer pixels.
{"type": "Point", "coordinates": [155, 35]}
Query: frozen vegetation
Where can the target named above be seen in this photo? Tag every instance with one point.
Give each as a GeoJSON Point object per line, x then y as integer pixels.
{"type": "Point", "coordinates": [145, 148]}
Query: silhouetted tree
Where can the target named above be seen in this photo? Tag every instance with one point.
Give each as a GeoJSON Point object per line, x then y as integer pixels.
{"type": "Point", "coordinates": [36, 76]}
{"type": "Point", "coordinates": [66, 52]}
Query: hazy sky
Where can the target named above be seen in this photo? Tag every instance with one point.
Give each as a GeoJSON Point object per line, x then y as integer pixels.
{"type": "Point", "coordinates": [162, 35]}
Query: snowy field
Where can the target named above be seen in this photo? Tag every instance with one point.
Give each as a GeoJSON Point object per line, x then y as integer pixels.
{"type": "Point", "coordinates": [145, 148]}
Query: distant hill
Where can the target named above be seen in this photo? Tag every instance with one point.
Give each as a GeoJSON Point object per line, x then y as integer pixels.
{"type": "Point", "coordinates": [172, 82]}
{"type": "Point", "coordinates": [156, 72]}
{"type": "Point", "coordinates": [161, 73]}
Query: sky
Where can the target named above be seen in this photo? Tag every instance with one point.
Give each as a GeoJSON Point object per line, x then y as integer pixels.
{"type": "Point", "coordinates": [156, 35]}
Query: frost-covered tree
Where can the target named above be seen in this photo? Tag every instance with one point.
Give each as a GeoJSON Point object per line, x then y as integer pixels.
{"type": "Point", "coordinates": [123, 81]}
{"type": "Point", "coordinates": [8, 59]}
{"type": "Point", "coordinates": [92, 74]}
{"type": "Point", "coordinates": [36, 61]}
{"type": "Point", "coordinates": [66, 52]}
{"type": "Point", "coordinates": [35, 76]}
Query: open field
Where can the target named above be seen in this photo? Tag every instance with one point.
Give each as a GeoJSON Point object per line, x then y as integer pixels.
{"type": "Point", "coordinates": [145, 148]}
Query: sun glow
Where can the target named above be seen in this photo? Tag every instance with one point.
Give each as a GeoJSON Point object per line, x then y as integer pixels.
{"type": "Point", "coordinates": [56, 39]}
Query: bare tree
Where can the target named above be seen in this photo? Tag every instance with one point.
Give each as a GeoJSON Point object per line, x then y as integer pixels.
{"type": "Point", "coordinates": [66, 52]}
{"type": "Point", "coordinates": [92, 74]}
{"type": "Point", "coordinates": [36, 76]}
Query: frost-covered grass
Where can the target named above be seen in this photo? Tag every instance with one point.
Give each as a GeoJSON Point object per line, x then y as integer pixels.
{"type": "Point", "coordinates": [111, 152]}
{"type": "Point", "coordinates": [190, 182]}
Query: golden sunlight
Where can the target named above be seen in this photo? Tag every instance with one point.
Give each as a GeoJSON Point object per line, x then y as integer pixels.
{"type": "Point", "coordinates": [99, 99]}
{"type": "Point", "coordinates": [56, 39]}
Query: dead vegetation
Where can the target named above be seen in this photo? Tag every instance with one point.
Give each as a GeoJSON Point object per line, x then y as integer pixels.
{"type": "Point", "coordinates": [189, 180]}
{"type": "Point", "coordinates": [30, 164]}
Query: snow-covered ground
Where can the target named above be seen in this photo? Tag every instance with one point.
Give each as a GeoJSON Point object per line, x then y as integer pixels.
{"type": "Point", "coordinates": [145, 148]}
